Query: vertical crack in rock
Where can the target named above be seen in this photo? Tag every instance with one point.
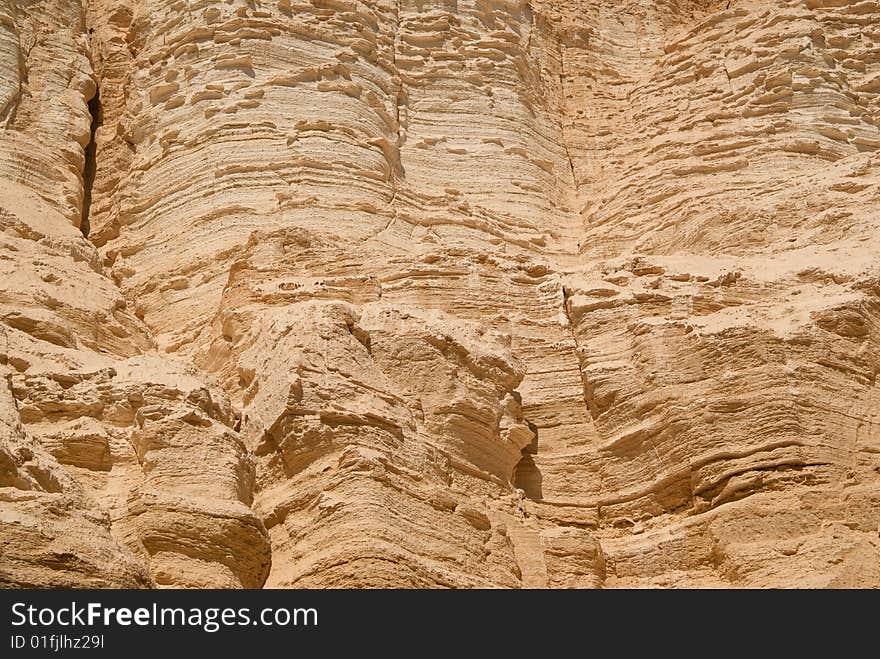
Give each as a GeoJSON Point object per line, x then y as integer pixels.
{"type": "Point", "coordinates": [526, 475]}
{"type": "Point", "coordinates": [91, 162]}
{"type": "Point", "coordinates": [577, 352]}
{"type": "Point", "coordinates": [14, 62]}
{"type": "Point", "coordinates": [563, 83]}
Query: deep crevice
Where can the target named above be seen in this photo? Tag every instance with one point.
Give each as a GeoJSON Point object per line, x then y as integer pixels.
{"type": "Point", "coordinates": [91, 163]}
{"type": "Point", "coordinates": [526, 475]}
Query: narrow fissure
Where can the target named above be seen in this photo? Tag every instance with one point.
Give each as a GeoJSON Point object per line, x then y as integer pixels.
{"type": "Point", "coordinates": [91, 164]}
{"type": "Point", "coordinates": [562, 131]}
{"type": "Point", "coordinates": [585, 383]}
{"type": "Point", "coordinates": [526, 475]}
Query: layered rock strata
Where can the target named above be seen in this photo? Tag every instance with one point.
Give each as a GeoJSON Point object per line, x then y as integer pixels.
{"type": "Point", "coordinates": [422, 293]}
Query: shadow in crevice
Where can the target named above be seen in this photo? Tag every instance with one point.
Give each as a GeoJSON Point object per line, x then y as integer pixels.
{"type": "Point", "coordinates": [91, 163]}
{"type": "Point", "coordinates": [526, 475]}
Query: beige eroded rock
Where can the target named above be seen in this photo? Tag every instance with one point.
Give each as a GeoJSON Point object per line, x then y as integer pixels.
{"type": "Point", "coordinates": [487, 293]}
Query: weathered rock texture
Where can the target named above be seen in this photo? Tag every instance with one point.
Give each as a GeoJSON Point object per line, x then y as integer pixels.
{"type": "Point", "coordinates": [428, 293]}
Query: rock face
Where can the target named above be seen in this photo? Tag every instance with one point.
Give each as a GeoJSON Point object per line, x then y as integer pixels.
{"type": "Point", "coordinates": [434, 293]}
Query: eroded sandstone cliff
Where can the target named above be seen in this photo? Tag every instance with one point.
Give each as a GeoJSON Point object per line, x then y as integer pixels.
{"type": "Point", "coordinates": [466, 293]}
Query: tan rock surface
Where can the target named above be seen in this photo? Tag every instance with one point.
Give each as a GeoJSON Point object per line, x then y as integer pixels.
{"type": "Point", "coordinates": [487, 293]}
